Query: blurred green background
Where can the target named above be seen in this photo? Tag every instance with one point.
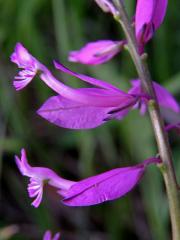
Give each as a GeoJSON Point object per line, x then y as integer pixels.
{"type": "Point", "coordinates": [50, 29]}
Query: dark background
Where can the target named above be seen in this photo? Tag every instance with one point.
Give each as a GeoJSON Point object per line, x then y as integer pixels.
{"type": "Point", "coordinates": [50, 29]}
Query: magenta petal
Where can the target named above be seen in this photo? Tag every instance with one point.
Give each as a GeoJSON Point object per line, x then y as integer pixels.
{"type": "Point", "coordinates": [22, 57]}
{"type": "Point", "coordinates": [149, 16]}
{"type": "Point", "coordinates": [144, 17]}
{"type": "Point", "coordinates": [165, 98]}
{"type": "Point", "coordinates": [159, 12]}
{"type": "Point", "coordinates": [56, 236]}
{"type": "Point", "coordinates": [69, 114]}
{"type": "Point", "coordinates": [38, 199]}
{"type": "Point", "coordinates": [23, 165]}
{"type": "Point", "coordinates": [93, 81]}
{"type": "Point", "coordinates": [48, 236]}
{"type": "Point", "coordinates": [104, 187]}
{"type": "Point", "coordinates": [97, 52]}
{"type": "Point", "coordinates": [93, 96]}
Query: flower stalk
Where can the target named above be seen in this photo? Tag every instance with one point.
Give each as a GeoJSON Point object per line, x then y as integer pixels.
{"type": "Point", "coordinates": [164, 149]}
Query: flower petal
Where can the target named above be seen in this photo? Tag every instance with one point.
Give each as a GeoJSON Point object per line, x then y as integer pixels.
{"type": "Point", "coordinates": [107, 186]}
{"type": "Point", "coordinates": [34, 187]}
{"type": "Point", "coordinates": [104, 187]}
{"type": "Point", "coordinates": [56, 236]}
{"type": "Point", "coordinates": [48, 236]}
{"type": "Point", "coordinates": [149, 16]}
{"type": "Point", "coordinates": [144, 17]}
{"type": "Point", "coordinates": [159, 12]}
{"type": "Point", "coordinates": [23, 79]}
{"type": "Point", "coordinates": [70, 114]}
{"type": "Point", "coordinates": [95, 53]}
{"type": "Point", "coordinates": [22, 164]}
{"type": "Point", "coordinates": [165, 98]}
{"type": "Point", "coordinates": [93, 81]}
{"type": "Point", "coordinates": [90, 97]}
{"type": "Point", "coordinates": [38, 198]}
{"type": "Point", "coordinates": [22, 57]}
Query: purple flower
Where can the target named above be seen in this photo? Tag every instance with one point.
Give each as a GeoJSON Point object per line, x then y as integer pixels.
{"type": "Point", "coordinates": [148, 17]}
{"type": "Point", "coordinates": [164, 98]}
{"type": "Point", "coordinates": [48, 236]}
{"type": "Point", "coordinates": [85, 107]}
{"type": "Point", "coordinates": [103, 187]}
{"type": "Point", "coordinates": [107, 6]}
{"type": "Point", "coordinates": [97, 52]}
{"type": "Point", "coordinates": [76, 108]}
{"type": "Point", "coordinates": [39, 176]}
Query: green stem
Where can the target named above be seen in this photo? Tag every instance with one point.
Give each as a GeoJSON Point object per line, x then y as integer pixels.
{"type": "Point", "coordinates": [156, 119]}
